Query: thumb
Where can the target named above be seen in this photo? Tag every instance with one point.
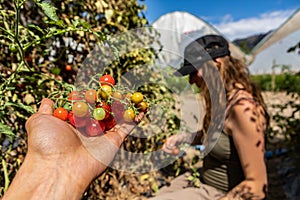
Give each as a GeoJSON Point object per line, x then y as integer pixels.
{"type": "Point", "coordinates": [46, 106]}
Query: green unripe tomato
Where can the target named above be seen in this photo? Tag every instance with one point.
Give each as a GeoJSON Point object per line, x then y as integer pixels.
{"type": "Point", "coordinates": [13, 48]}
{"type": "Point", "coordinates": [99, 113]}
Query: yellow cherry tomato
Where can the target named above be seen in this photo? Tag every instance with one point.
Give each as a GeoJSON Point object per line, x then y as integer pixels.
{"type": "Point", "coordinates": [137, 97]}
{"type": "Point", "coordinates": [129, 115]}
{"type": "Point", "coordinates": [105, 91]}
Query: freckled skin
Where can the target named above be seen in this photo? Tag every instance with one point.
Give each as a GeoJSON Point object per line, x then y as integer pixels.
{"type": "Point", "coordinates": [246, 123]}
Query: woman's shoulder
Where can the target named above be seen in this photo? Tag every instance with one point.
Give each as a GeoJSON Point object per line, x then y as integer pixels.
{"type": "Point", "coordinates": [240, 97]}
{"type": "Point", "coordinates": [243, 109]}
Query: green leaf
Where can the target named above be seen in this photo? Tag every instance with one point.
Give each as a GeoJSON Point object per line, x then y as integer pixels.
{"type": "Point", "coordinates": [36, 27]}
{"type": "Point", "coordinates": [75, 23]}
{"type": "Point", "coordinates": [6, 130]}
{"type": "Point", "coordinates": [55, 70]}
{"type": "Point", "coordinates": [20, 105]}
{"type": "Point", "coordinates": [86, 25]}
{"type": "Point", "coordinates": [49, 10]}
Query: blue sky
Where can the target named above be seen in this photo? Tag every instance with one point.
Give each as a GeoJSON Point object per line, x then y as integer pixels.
{"type": "Point", "coordinates": [234, 18]}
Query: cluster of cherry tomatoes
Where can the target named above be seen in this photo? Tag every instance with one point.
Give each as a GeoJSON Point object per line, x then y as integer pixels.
{"type": "Point", "coordinates": [95, 110]}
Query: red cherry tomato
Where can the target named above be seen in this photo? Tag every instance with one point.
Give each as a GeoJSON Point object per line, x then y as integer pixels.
{"type": "Point", "coordinates": [77, 122]}
{"type": "Point", "coordinates": [74, 95]}
{"type": "Point", "coordinates": [94, 128]}
{"type": "Point", "coordinates": [117, 108]}
{"type": "Point", "coordinates": [61, 113]}
{"type": "Point", "coordinates": [107, 80]}
{"type": "Point", "coordinates": [110, 122]}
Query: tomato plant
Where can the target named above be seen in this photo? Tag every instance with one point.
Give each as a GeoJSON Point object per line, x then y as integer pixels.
{"type": "Point", "coordinates": [31, 71]}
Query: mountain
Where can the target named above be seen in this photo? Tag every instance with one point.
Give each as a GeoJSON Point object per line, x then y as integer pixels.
{"type": "Point", "coordinates": [248, 43]}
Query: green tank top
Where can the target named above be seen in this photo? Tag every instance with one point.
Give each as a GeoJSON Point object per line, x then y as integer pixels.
{"type": "Point", "coordinates": [221, 167]}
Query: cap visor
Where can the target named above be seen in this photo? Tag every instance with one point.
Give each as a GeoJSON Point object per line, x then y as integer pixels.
{"type": "Point", "coordinates": [185, 70]}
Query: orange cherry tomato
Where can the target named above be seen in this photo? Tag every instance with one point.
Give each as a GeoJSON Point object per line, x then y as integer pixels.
{"type": "Point", "coordinates": [118, 95]}
{"type": "Point", "coordinates": [80, 109]}
{"type": "Point", "coordinates": [68, 67]}
{"type": "Point", "coordinates": [61, 113]}
{"type": "Point", "coordinates": [142, 106]}
{"type": "Point", "coordinates": [90, 96]}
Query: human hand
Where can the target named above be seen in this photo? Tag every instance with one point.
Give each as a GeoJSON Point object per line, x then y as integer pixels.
{"type": "Point", "coordinates": [171, 144]}
{"type": "Point", "coordinates": [56, 150]}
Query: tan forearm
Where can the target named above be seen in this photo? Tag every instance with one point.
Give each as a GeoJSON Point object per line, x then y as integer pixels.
{"type": "Point", "coordinates": [43, 181]}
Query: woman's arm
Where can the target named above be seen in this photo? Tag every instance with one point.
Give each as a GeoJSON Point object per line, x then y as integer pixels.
{"type": "Point", "coordinates": [246, 123]}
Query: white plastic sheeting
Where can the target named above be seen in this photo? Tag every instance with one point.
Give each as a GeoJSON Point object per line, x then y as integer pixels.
{"type": "Point", "coordinates": [271, 52]}
{"type": "Point", "coordinates": [276, 55]}
{"type": "Point", "coordinates": [177, 30]}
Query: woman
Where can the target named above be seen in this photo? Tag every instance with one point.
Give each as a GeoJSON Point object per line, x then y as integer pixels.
{"type": "Point", "coordinates": [235, 167]}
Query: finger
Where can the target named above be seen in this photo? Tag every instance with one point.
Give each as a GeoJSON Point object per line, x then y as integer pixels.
{"type": "Point", "coordinates": [166, 149]}
{"type": "Point", "coordinates": [46, 106]}
{"type": "Point", "coordinates": [123, 129]}
{"type": "Point", "coordinates": [139, 117]}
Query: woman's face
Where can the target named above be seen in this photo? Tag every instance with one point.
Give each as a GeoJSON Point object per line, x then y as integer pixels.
{"type": "Point", "coordinates": [197, 79]}
{"type": "Point", "coordinates": [197, 76]}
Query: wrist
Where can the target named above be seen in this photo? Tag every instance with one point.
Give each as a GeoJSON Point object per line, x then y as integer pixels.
{"type": "Point", "coordinates": [45, 179]}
